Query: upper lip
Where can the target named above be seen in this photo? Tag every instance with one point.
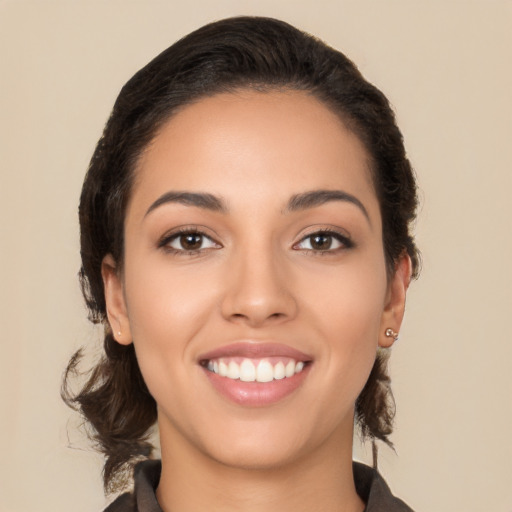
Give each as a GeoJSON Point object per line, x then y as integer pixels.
{"type": "Point", "coordinates": [255, 350]}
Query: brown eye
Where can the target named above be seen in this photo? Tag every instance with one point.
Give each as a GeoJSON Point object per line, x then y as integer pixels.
{"type": "Point", "coordinates": [191, 241]}
{"type": "Point", "coordinates": [324, 241]}
{"type": "Point", "coordinates": [321, 242]}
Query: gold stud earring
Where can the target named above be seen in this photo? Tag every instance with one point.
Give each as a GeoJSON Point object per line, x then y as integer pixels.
{"type": "Point", "coordinates": [391, 334]}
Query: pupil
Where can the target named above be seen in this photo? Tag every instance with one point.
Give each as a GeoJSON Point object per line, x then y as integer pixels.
{"type": "Point", "coordinates": [321, 242]}
{"type": "Point", "coordinates": [191, 241]}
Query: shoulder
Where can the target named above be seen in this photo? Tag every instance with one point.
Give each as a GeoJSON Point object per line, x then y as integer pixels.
{"type": "Point", "coordinates": [124, 503]}
{"type": "Point", "coordinates": [143, 499]}
{"type": "Point", "coordinates": [374, 491]}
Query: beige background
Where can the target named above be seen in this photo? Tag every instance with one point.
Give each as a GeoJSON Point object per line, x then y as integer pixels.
{"type": "Point", "coordinates": [445, 65]}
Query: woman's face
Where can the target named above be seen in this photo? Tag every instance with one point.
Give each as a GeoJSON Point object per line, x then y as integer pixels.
{"type": "Point", "coordinates": [253, 250]}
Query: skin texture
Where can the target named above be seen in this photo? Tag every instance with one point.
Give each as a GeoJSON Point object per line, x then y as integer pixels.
{"type": "Point", "coordinates": [255, 278]}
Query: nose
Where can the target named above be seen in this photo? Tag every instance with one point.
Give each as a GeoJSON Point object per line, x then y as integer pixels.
{"type": "Point", "coordinates": [259, 290]}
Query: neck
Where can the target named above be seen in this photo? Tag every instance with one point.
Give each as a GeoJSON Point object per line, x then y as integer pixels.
{"type": "Point", "coordinates": [191, 481]}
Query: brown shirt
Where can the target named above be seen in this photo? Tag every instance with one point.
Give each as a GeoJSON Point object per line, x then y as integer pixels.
{"type": "Point", "coordinates": [369, 485]}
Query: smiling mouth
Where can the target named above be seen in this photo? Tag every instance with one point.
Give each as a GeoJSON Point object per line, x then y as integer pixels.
{"type": "Point", "coordinates": [254, 370]}
{"type": "Point", "coordinates": [255, 374]}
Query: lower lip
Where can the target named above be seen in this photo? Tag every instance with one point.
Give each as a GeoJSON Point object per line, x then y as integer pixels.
{"type": "Point", "coordinates": [256, 394]}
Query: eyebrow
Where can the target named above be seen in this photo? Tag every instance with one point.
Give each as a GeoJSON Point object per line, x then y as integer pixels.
{"type": "Point", "coordinates": [200, 200]}
{"type": "Point", "coordinates": [319, 197]}
{"type": "Point", "coordinates": [297, 202]}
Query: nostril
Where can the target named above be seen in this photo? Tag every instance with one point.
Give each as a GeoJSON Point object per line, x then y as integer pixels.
{"type": "Point", "coordinates": [277, 315]}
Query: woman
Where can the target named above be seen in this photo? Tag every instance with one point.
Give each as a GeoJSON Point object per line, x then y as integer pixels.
{"type": "Point", "coordinates": [245, 241]}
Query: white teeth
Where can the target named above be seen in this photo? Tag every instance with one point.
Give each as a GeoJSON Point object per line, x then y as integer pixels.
{"type": "Point", "coordinates": [223, 369]}
{"type": "Point", "coordinates": [233, 370]}
{"type": "Point", "coordinates": [265, 372]}
{"type": "Point", "coordinates": [279, 372]}
{"type": "Point", "coordinates": [290, 369]}
{"type": "Point", "coordinates": [248, 371]}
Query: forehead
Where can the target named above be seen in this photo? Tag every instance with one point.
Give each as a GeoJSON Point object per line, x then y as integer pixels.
{"type": "Point", "coordinates": [278, 142]}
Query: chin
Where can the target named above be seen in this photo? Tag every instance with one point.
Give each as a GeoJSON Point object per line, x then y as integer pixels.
{"type": "Point", "coordinates": [256, 456]}
{"type": "Point", "coordinates": [268, 445]}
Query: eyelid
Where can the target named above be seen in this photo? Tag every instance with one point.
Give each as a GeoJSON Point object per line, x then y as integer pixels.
{"type": "Point", "coordinates": [338, 234]}
{"type": "Point", "coordinates": [174, 233]}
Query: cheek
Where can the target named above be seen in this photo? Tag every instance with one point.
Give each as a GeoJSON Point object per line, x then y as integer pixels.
{"type": "Point", "coordinates": [350, 299]}
{"type": "Point", "coordinates": [164, 302]}
{"type": "Point", "coordinates": [346, 310]}
{"type": "Point", "coordinates": [166, 309]}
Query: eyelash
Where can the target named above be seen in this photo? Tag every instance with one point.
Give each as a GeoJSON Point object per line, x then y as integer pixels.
{"type": "Point", "coordinates": [344, 241]}
{"type": "Point", "coordinates": [175, 235]}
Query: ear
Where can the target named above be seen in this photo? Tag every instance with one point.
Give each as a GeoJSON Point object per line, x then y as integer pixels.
{"type": "Point", "coordinates": [394, 308]}
{"type": "Point", "coordinates": [115, 302]}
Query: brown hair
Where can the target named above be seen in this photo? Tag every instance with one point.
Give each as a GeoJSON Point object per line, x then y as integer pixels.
{"type": "Point", "coordinates": [245, 52]}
